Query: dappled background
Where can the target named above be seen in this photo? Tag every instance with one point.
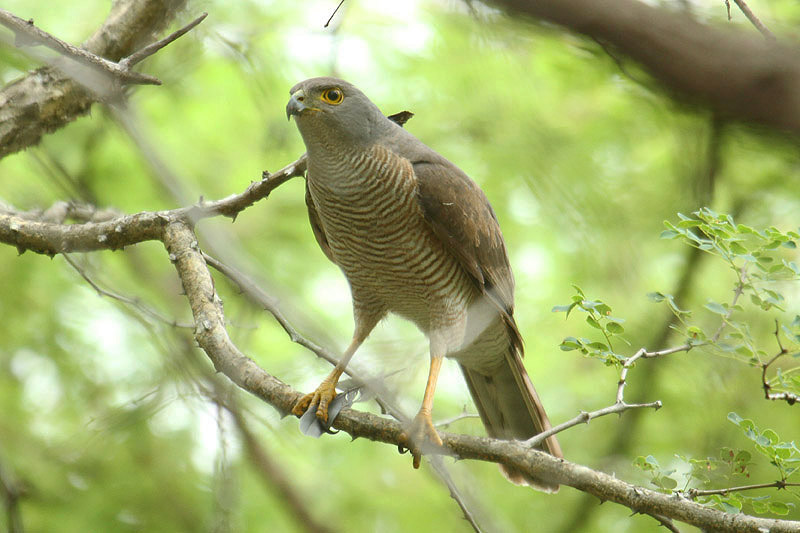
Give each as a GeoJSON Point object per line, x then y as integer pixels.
{"type": "Point", "coordinates": [106, 419]}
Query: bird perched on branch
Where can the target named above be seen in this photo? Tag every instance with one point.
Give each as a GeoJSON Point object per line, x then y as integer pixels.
{"type": "Point", "coordinates": [416, 237]}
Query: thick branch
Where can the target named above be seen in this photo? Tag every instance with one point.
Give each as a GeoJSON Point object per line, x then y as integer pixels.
{"type": "Point", "coordinates": [213, 338]}
{"type": "Point", "coordinates": [46, 99]}
{"type": "Point", "coordinates": [736, 74]}
{"type": "Point", "coordinates": [20, 230]}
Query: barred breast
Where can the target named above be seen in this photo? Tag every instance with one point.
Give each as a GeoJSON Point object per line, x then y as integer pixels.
{"type": "Point", "coordinates": [394, 263]}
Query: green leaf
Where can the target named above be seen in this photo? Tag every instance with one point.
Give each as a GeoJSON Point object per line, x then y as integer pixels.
{"type": "Point", "coordinates": [656, 296]}
{"type": "Point", "coordinates": [714, 307]}
{"type": "Point", "coordinates": [779, 508]}
{"type": "Point", "coordinates": [730, 505]}
{"type": "Point", "coordinates": [689, 223]}
{"type": "Point", "coordinates": [665, 482]}
{"type": "Point", "coordinates": [771, 435]}
{"type": "Point", "coordinates": [615, 328]}
{"type": "Point", "coordinates": [569, 344]}
{"type": "Point", "coordinates": [593, 322]}
{"type": "Point", "coordinates": [736, 419]}
{"type": "Point", "coordinates": [738, 249]}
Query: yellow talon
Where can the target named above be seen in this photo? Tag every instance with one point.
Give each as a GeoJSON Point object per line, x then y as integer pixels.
{"type": "Point", "coordinates": [420, 433]}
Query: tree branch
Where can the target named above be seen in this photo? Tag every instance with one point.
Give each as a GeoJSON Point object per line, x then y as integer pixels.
{"type": "Point", "coordinates": [27, 34]}
{"type": "Point", "coordinates": [18, 229]}
{"type": "Point", "coordinates": [174, 229]}
{"type": "Point", "coordinates": [46, 99]}
{"type": "Point", "coordinates": [213, 338]}
{"type": "Point", "coordinates": [735, 74]}
{"type": "Point", "coordinates": [754, 20]}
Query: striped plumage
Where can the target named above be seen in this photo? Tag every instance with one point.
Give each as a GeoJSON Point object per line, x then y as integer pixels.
{"type": "Point", "coordinates": [416, 237]}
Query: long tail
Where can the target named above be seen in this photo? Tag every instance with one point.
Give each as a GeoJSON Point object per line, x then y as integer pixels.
{"type": "Point", "coordinates": [511, 409]}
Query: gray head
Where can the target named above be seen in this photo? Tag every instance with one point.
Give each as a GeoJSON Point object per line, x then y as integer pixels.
{"type": "Point", "coordinates": [330, 111]}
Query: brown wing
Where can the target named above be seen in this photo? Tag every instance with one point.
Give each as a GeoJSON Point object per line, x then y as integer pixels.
{"type": "Point", "coordinates": [316, 226]}
{"type": "Point", "coordinates": [460, 216]}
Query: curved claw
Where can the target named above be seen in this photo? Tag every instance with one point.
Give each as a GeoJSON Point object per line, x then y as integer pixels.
{"type": "Point", "coordinates": [420, 433]}
{"type": "Point", "coordinates": [321, 397]}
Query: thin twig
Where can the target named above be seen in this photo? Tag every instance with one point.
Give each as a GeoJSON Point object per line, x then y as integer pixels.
{"type": "Point", "coordinates": [132, 302]}
{"type": "Point", "coordinates": [440, 469]}
{"type": "Point", "coordinates": [334, 13]}
{"type": "Point", "coordinates": [151, 49]}
{"type": "Point", "coordinates": [448, 421]}
{"type": "Point", "coordinates": [753, 19]}
{"type": "Point", "coordinates": [694, 493]}
{"type": "Point", "coordinates": [643, 354]}
{"type": "Point", "coordinates": [786, 396]}
{"type": "Point", "coordinates": [665, 522]}
{"type": "Point", "coordinates": [585, 417]}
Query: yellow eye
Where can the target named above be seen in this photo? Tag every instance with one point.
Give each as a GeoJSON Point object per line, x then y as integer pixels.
{"type": "Point", "coordinates": [333, 96]}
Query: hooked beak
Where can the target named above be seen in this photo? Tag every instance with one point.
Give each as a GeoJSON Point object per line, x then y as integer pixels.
{"type": "Point", "coordinates": [296, 105]}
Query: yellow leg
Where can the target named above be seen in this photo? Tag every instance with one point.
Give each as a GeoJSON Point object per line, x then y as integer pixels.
{"type": "Point", "coordinates": [326, 391]}
{"type": "Point", "coordinates": [421, 431]}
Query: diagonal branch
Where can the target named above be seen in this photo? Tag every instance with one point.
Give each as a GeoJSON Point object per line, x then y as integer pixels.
{"type": "Point", "coordinates": [174, 229]}
{"type": "Point", "coordinates": [212, 337]}
{"type": "Point", "coordinates": [27, 34]}
{"type": "Point", "coordinates": [46, 99]}
{"type": "Point", "coordinates": [733, 73]}
{"type": "Point", "coordinates": [754, 20]}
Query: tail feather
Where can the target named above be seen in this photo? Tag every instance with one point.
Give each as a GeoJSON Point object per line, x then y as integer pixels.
{"type": "Point", "coordinates": [510, 409]}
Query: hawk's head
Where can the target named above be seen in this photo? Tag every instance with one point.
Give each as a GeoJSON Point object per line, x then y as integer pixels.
{"type": "Point", "coordinates": [330, 110]}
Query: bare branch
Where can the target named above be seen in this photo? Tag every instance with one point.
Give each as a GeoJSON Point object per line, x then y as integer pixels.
{"type": "Point", "coordinates": [26, 34]}
{"type": "Point", "coordinates": [17, 229]}
{"type": "Point", "coordinates": [694, 493]}
{"type": "Point", "coordinates": [753, 19]}
{"type": "Point", "coordinates": [786, 396]}
{"type": "Point", "coordinates": [46, 99]}
{"type": "Point", "coordinates": [454, 419]}
{"type": "Point", "coordinates": [643, 354]}
{"type": "Point", "coordinates": [151, 49]}
{"type": "Point", "coordinates": [734, 74]}
{"type": "Point", "coordinates": [333, 14]}
{"type": "Point", "coordinates": [212, 337]}
{"type": "Point", "coordinates": [585, 417]}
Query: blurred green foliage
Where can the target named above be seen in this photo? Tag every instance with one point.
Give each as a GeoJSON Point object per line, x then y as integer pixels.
{"type": "Point", "coordinates": [106, 420]}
